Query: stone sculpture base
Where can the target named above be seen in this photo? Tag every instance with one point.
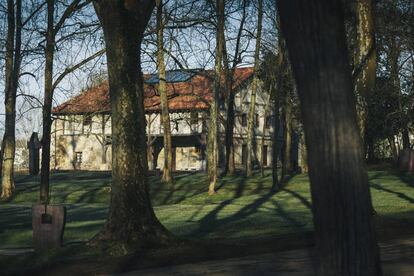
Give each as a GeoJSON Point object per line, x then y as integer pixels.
{"type": "Point", "coordinates": [48, 225]}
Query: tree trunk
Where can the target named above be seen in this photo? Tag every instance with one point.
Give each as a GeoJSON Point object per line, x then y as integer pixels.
{"type": "Point", "coordinates": [393, 147]}
{"type": "Point", "coordinates": [212, 138]}
{"type": "Point", "coordinates": [365, 60]}
{"type": "Point", "coordinates": [229, 167]}
{"type": "Point", "coordinates": [131, 218]}
{"type": "Point", "coordinates": [162, 90]}
{"type": "Point", "coordinates": [104, 145]}
{"type": "Point", "coordinates": [406, 138]}
{"type": "Point", "coordinates": [275, 140]}
{"type": "Point", "coordinates": [370, 145]}
{"type": "Point", "coordinates": [280, 80]}
{"type": "Point", "coordinates": [12, 68]}
{"type": "Point", "coordinates": [393, 56]}
{"type": "Point", "coordinates": [303, 154]}
{"type": "Point", "coordinates": [13, 60]}
{"type": "Point", "coordinates": [344, 231]}
{"type": "Point", "coordinates": [252, 106]}
{"type": "Point", "coordinates": [47, 104]}
{"type": "Point", "coordinates": [262, 143]}
{"type": "Point", "coordinates": [287, 133]}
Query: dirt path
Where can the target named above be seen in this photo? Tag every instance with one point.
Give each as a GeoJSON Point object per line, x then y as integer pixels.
{"type": "Point", "coordinates": [397, 259]}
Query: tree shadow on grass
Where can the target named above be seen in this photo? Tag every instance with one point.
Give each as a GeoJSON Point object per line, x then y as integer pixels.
{"type": "Point", "coordinates": [300, 197]}
{"type": "Point", "coordinates": [237, 177]}
{"type": "Point", "coordinates": [239, 190]}
{"type": "Point", "coordinates": [299, 225]}
{"type": "Point", "coordinates": [15, 218]}
{"type": "Point", "coordinates": [407, 179]}
{"type": "Point", "coordinates": [211, 220]}
{"type": "Point", "coordinates": [400, 195]}
{"type": "Point", "coordinates": [242, 185]}
{"type": "Point", "coordinates": [184, 187]}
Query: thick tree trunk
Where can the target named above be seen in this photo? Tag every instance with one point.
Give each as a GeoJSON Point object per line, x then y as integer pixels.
{"type": "Point", "coordinates": [252, 106]}
{"type": "Point", "coordinates": [131, 218]}
{"type": "Point", "coordinates": [12, 68]}
{"type": "Point", "coordinates": [162, 90]}
{"type": "Point", "coordinates": [344, 232]}
{"type": "Point", "coordinates": [47, 104]}
{"type": "Point", "coordinates": [365, 60]}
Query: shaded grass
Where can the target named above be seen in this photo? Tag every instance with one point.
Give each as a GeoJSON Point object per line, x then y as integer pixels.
{"type": "Point", "coordinates": [242, 208]}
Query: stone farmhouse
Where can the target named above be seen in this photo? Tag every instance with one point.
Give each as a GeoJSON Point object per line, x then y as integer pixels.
{"type": "Point", "coordinates": [81, 137]}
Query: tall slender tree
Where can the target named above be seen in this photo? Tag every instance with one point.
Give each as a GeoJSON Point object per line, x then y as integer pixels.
{"type": "Point", "coordinates": [162, 90]}
{"type": "Point", "coordinates": [131, 218]}
{"type": "Point", "coordinates": [229, 76]}
{"type": "Point", "coordinates": [212, 138]}
{"type": "Point", "coordinates": [54, 25]}
{"type": "Point", "coordinates": [47, 104]}
{"type": "Point", "coordinates": [12, 72]}
{"type": "Point", "coordinates": [252, 106]}
{"type": "Point", "coordinates": [287, 115]}
{"type": "Point", "coordinates": [344, 231]}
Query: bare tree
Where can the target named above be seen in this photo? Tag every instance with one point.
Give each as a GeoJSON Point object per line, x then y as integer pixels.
{"type": "Point", "coordinates": [252, 106]}
{"type": "Point", "coordinates": [230, 95]}
{"type": "Point", "coordinates": [212, 139]}
{"type": "Point", "coordinates": [50, 84]}
{"type": "Point", "coordinates": [162, 90]}
{"type": "Point", "coordinates": [131, 219]}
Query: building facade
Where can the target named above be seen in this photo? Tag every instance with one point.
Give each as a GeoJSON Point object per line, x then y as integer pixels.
{"type": "Point", "coordinates": [81, 137]}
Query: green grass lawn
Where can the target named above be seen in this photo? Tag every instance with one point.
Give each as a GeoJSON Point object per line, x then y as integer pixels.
{"type": "Point", "coordinates": [242, 208]}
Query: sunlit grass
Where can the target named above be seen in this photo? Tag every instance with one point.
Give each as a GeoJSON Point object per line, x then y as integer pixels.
{"type": "Point", "coordinates": [242, 208]}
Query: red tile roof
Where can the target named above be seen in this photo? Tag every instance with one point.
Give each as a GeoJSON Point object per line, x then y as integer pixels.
{"type": "Point", "coordinates": [193, 94]}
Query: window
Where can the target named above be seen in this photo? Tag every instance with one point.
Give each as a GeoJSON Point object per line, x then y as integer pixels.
{"type": "Point", "coordinates": [67, 125]}
{"type": "Point", "coordinates": [77, 160]}
{"type": "Point", "coordinates": [257, 120]}
{"type": "Point", "coordinates": [267, 121]}
{"type": "Point", "coordinates": [87, 123]}
{"type": "Point", "coordinates": [244, 119]}
{"type": "Point", "coordinates": [78, 157]}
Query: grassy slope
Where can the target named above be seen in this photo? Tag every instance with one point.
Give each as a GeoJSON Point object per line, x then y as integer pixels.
{"type": "Point", "coordinates": [242, 208]}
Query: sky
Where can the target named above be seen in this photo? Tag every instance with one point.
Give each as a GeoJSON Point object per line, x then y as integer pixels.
{"type": "Point", "coordinates": [194, 47]}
